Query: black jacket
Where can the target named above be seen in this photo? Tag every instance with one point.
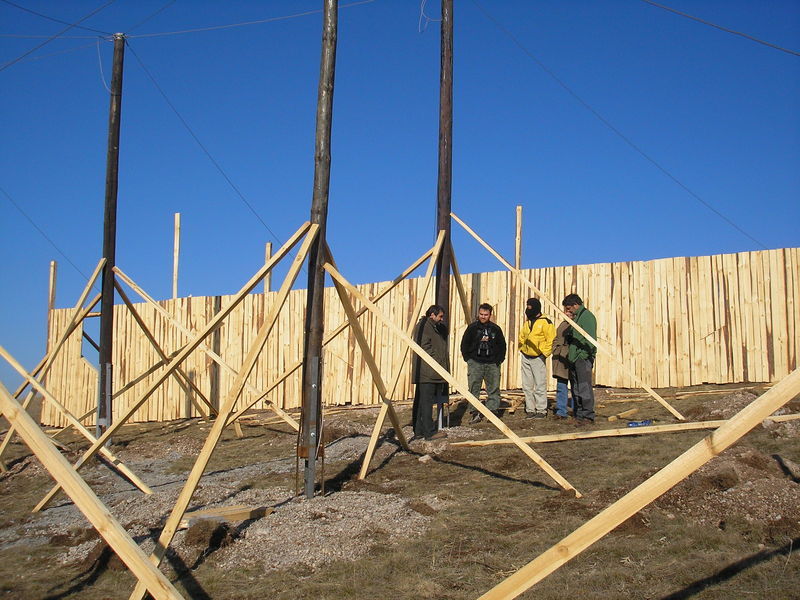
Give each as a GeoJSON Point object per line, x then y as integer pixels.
{"type": "Point", "coordinates": [492, 351]}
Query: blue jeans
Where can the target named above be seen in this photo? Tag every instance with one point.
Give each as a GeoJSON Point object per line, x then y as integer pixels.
{"type": "Point", "coordinates": [563, 402]}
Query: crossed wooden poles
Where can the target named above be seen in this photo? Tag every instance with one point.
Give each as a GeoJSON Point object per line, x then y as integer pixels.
{"type": "Point", "coordinates": [601, 347]}
{"type": "Point", "coordinates": [149, 577]}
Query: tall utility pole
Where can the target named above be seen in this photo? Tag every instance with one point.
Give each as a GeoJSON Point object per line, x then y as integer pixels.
{"type": "Point", "coordinates": [105, 386]}
{"type": "Point", "coordinates": [444, 187]}
{"type": "Point", "coordinates": [312, 352]}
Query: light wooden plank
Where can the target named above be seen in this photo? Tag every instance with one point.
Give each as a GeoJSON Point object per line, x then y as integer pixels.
{"type": "Point", "coordinates": [237, 512]}
{"type": "Point", "coordinates": [182, 503]}
{"type": "Point", "coordinates": [86, 500]}
{"type": "Point", "coordinates": [489, 415]}
{"type": "Point", "coordinates": [116, 462]}
{"type": "Point", "coordinates": [575, 326]}
{"type": "Point", "coordinates": [187, 349]}
{"type": "Point", "coordinates": [644, 494]}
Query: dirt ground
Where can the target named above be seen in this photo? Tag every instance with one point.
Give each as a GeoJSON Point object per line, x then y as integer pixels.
{"type": "Point", "coordinates": [440, 521]}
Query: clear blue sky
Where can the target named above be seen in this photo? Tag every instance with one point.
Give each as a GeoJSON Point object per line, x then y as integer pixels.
{"type": "Point", "coordinates": [716, 116]}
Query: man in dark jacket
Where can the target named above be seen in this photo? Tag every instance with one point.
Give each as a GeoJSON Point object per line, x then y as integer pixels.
{"type": "Point", "coordinates": [483, 347]}
{"type": "Point", "coordinates": [561, 369]}
{"type": "Point", "coordinates": [581, 358]}
{"type": "Point", "coordinates": [431, 334]}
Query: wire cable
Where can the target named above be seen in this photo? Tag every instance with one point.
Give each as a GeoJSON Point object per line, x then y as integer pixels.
{"type": "Point", "coordinates": [43, 234]}
{"type": "Point", "coordinates": [50, 39]}
{"type": "Point", "coordinates": [258, 22]}
{"type": "Point", "coordinates": [200, 144]}
{"type": "Point", "coordinates": [614, 129]}
{"type": "Point", "coordinates": [146, 19]}
{"type": "Point", "coordinates": [65, 51]}
{"type": "Point", "coordinates": [725, 29]}
{"type": "Point", "coordinates": [38, 14]}
{"type": "Point", "coordinates": [100, 64]}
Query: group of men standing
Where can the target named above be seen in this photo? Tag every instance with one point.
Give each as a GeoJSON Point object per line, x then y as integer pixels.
{"type": "Point", "coordinates": [483, 347]}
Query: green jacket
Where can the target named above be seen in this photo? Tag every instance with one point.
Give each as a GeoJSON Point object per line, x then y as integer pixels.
{"type": "Point", "coordinates": [433, 339]}
{"type": "Point", "coordinates": [579, 346]}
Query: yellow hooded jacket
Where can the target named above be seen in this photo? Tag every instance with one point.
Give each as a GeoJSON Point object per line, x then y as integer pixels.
{"type": "Point", "coordinates": [536, 339]}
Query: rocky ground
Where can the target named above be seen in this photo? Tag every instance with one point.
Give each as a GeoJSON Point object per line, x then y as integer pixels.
{"type": "Point", "coordinates": [354, 519]}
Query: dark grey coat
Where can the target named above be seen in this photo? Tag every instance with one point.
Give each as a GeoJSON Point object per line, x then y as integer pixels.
{"type": "Point", "coordinates": [433, 339]}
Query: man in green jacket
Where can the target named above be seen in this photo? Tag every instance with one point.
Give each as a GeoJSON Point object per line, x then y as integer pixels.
{"type": "Point", "coordinates": [581, 358]}
{"type": "Point", "coordinates": [431, 388]}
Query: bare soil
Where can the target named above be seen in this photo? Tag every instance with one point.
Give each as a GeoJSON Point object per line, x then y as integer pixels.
{"type": "Point", "coordinates": [438, 522]}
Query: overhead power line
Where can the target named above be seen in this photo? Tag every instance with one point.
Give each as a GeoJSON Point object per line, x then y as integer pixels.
{"type": "Point", "coordinates": [50, 39]}
{"type": "Point", "coordinates": [245, 23]}
{"type": "Point", "coordinates": [38, 14]}
{"type": "Point", "coordinates": [42, 233]}
{"type": "Point", "coordinates": [720, 27]}
{"type": "Point", "coordinates": [611, 126]}
{"type": "Point", "coordinates": [201, 145]}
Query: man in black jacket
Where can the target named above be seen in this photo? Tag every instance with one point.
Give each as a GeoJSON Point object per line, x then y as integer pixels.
{"type": "Point", "coordinates": [483, 346]}
{"type": "Point", "coordinates": [431, 388]}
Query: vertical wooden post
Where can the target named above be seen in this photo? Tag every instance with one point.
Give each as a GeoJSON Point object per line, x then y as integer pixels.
{"type": "Point", "coordinates": [444, 187]}
{"type": "Point", "coordinates": [51, 297]}
{"type": "Point", "coordinates": [51, 304]}
{"type": "Point", "coordinates": [518, 240]}
{"type": "Point", "coordinates": [312, 350]}
{"type": "Point", "coordinates": [268, 278]}
{"type": "Point", "coordinates": [176, 252]}
{"type": "Point", "coordinates": [105, 387]}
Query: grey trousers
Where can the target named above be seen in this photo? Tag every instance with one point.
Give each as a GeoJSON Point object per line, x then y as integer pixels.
{"type": "Point", "coordinates": [534, 383]}
{"type": "Point", "coordinates": [477, 374]}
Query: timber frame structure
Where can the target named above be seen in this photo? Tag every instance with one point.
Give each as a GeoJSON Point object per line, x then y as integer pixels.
{"type": "Point", "coordinates": [169, 365]}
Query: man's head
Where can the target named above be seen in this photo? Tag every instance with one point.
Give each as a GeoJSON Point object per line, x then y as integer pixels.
{"type": "Point", "coordinates": [435, 313]}
{"type": "Point", "coordinates": [571, 303]}
{"type": "Point", "coordinates": [533, 308]}
{"type": "Point", "coordinates": [484, 313]}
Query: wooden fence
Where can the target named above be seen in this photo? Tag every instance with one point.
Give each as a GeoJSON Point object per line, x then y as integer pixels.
{"type": "Point", "coordinates": [673, 322]}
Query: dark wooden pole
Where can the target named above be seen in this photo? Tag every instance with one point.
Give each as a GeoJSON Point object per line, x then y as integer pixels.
{"type": "Point", "coordinates": [312, 352]}
{"type": "Point", "coordinates": [109, 240]}
{"type": "Point", "coordinates": [444, 187]}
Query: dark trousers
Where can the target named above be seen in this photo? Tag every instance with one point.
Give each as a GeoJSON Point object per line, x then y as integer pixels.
{"type": "Point", "coordinates": [427, 394]}
{"type": "Point", "coordinates": [580, 380]}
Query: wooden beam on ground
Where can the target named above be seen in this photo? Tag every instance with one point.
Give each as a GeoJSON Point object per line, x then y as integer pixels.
{"type": "Point", "coordinates": [86, 500]}
{"type": "Point", "coordinates": [585, 435]}
{"type": "Point", "coordinates": [238, 512]}
{"type": "Point", "coordinates": [417, 349]}
{"type": "Point", "coordinates": [577, 327]}
{"type": "Point", "coordinates": [680, 468]}
{"type": "Point", "coordinates": [624, 414]}
{"type": "Point", "coordinates": [115, 462]}
{"type": "Point", "coordinates": [182, 503]}
{"type": "Point", "coordinates": [184, 352]}
{"type": "Point", "coordinates": [601, 433]}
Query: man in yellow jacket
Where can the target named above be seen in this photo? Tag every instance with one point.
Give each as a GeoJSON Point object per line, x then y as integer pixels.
{"type": "Point", "coordinates": [535, 345]}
